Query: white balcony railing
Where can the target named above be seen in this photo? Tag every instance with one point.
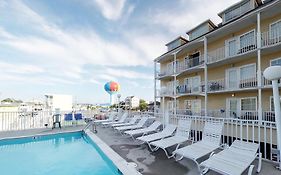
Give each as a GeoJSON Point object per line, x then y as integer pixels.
{"type": "Point", "coordinates": [239, 47]}
{"type": "Point", "coordinates": [271, 38]}
{"type": "Point", "coordinates": [189, 63]}
{"type": "Point", "coordinates": [185, 89]}
{"type": "Point", "coordinates": [167, 90]}
{"type": "Point", "coordinates": [266, 82]}
{"type": "Point", "coordinates": [222, 85]}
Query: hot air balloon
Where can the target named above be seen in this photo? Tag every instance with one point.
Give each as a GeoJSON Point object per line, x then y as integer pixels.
{"type": "Point", "coordinates": [112, 88]}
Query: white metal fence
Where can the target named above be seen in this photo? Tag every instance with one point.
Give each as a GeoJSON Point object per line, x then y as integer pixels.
{"type": "Point", "coordinates": [10, 121]}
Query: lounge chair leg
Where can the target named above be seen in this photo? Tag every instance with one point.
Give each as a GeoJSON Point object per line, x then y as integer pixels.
{"type": "Point", "coordinates": [250, 171]}
{"type": "Point", "coordinates": [178, 158]}
{"type": "Point", "coordinates": [260, 162]}
{"type": "Point", "coordinates": [166, 152]}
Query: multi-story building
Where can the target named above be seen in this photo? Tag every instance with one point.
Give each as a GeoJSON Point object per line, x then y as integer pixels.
{"type": "Point", "coordinates": [218, 70]}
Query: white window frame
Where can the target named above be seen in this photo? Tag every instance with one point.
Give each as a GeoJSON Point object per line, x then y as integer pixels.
{"type": "Point", "coordinates": [274, 60]}
{"type": "Point", "coordinates": [270, 26]}
{"type": "Point", "coordinates": [270, 106]}
{"type": "Point", "coordinates": [247, 65]}
{"type": "Point", "coordinates": [238, 73]}
{"type": "Point", "coordinates": [256, 108]}
{"type": "Point", "coordinates": [227, 46]}
{"type": "Point", "coordinates": [253, 30]}
{"type": "Point", "coordinates": [190, 83]}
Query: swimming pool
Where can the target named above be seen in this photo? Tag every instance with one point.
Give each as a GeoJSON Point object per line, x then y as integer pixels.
{"type": "Point", "coordinates": [57, 154]}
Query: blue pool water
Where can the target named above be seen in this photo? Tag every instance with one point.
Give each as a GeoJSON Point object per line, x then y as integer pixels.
{"type": "Point", "coordinates": [59, 154]}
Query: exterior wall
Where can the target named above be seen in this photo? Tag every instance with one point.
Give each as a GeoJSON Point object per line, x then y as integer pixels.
{"type": "Point", "coordinates": [266, 22]}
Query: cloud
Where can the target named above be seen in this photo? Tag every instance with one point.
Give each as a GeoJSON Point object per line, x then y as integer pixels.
{"type": "Point", "coordinates": [111, 9]}
{"type": "Point", "coordinates": [127, 74]}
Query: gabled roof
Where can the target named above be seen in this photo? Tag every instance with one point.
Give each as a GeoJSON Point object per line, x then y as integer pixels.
{"type": "Point", "coordinates": [259, 2]}
{"type": "Point", "coordinates": [208, 21]}
{"type": "Point", "coordinates": [180, 37]}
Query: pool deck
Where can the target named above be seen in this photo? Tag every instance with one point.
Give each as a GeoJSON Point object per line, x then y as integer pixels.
{"type": "Point", "coordinates": [156, 163]}
{"type": "Point", "coordinates": [148, 163]}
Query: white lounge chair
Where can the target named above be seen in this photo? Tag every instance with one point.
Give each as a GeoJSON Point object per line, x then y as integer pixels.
{"type": "Point", "coordinates": [167, 132]}
{"type": "Point", "coordinates": [110, 118]}
{"type": "Point", "coordinates": [122, 119]}
{"type": "Point", "coordinates": [211, 139]}
{"type": "Point", "coordinates": [182, 135]}
{"type": "Point", "coordinates": [132, 121]}
{"type": "Point", "coordinates": [234, 160]}
{"type": "Point", "coordinates": [139, 125]}
{"type": "Point", "coordinates": [152, 128]}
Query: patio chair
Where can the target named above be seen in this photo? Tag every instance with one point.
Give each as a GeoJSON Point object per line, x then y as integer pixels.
{"type": "Point", "coordinates": [131, 122]}
{"type": "Point", "coordinates": [167, 132]}
{"type": "Point", "coordinates": [211, 139]}
{"type": "Point", "coordinates": [152, 128]}
{"type": "Point", "coordinates": [139, 125]}
{"type": "Point", "coordinates": [234, 160]}
{"type": "Point", "coordinates": [182, 135]}
{"type": "Point", "coordinates": [122, 119]}
{"type": "Point", "coordinates": [110, 118]}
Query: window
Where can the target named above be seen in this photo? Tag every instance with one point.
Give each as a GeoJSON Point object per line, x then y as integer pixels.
{"type": "Point", "coordinates": [174, 44]}
{"type": "Point", "coordinates": [272, 103]}
{"type": "Point", "coordinates": [238, 11]}
{"type": "Point", "coordinates": [231, 46]}
{"type": "Point", "coordinates": [247, 40]}
{"type": "Point", "coordinates": [276, 62]}
{"type": "Point", "coordinates": [247, 72]}
{"type": "Point", "coordinates": [249, 104]}
{"type": "Point", "coordinates": [275, 30]}
{"type": "Point", "coordinates": [193, 105]}
{"type": "Point", "coordinates": [193, 83]}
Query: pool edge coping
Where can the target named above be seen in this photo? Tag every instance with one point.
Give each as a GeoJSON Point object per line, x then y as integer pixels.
{"type": "Point", "coordinates": [119, 162]}
{"type": "Point", "coordinates": [38, 135]}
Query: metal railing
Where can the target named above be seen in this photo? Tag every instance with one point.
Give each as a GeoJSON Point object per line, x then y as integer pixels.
{"type": "Point", "coordinates": [269, 38]}
{"type": "Point", "coordinates": [166, 90]}
{"type": "Point", "coordinates": [240, 47]}
{"type": "Point", "coordinates": [221, 85]}
{"type": "Point", "coordinates": [185, 89]}
{"type": "Point", "coordinates": [234, 128]}
{"type": "Point", "coordinates": [10, 121]}
{"type": "Point", "coordinates": [189, 63]}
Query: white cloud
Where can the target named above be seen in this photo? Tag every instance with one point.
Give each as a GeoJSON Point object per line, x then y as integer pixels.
{"type": "Point", "coordinates": [121, 73]}
{"type": "Point", "coordinates": [111, 9]}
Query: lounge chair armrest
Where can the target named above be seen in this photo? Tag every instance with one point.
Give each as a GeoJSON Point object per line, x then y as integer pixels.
{"type": "Point", "coordinates": [250, 171]}
{"type": "Point", "coordinates": [212, 154]}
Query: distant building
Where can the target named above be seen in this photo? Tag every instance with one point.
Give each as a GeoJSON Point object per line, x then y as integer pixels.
{"type": "Point", "coordinates": [58, 101]}
{"type": "Point", "coordinates": [132, 102]}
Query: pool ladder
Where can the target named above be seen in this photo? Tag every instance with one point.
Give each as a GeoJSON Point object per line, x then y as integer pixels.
{"type": "Point", "coordinates": [91, 123]}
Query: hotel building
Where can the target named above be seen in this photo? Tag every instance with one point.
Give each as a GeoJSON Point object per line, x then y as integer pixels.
{"type": "Point", "coordinates": [218, 70]}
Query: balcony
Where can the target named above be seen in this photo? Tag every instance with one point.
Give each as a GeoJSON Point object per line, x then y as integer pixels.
{"type": "Point", "coordinates": [237, 48]}
{"type": "Point", "coordinates": [221, 85]}
{"type": "Point", "coordinates": [165, 72]}
{"type": "Point", "coordinates": [187, 90]}
{"type": "Point", "coordinates": [268, 83]}
{"type": "Point", "coordinates": [271, 38]}
{"type": "Point", "coordinates": [190, 63]}
{"type": "Point", "coordinates": [166, 91]}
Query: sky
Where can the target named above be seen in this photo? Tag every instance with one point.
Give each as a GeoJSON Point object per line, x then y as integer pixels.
{"type": "Point", "coordinates": [76, 46]}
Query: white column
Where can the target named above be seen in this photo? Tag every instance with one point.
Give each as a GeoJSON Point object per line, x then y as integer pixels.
{"type": "Point", "coordinates": [206, 75]}
{"type": "Point", "coordinates": [155, 91]}
{"type": "Point", "coordinates": [175, 84]}
{"type": "Point", "coordinates": [277, 109]}
{"type": "Point", "coordinates": [259, 76]}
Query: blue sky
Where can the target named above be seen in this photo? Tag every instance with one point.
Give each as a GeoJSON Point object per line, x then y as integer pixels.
{"type": "Point", "coordinates": [76, 46]}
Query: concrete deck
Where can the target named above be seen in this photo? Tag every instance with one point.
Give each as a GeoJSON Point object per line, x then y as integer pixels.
{"type": "Point", "coordinates": [156, 163]}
